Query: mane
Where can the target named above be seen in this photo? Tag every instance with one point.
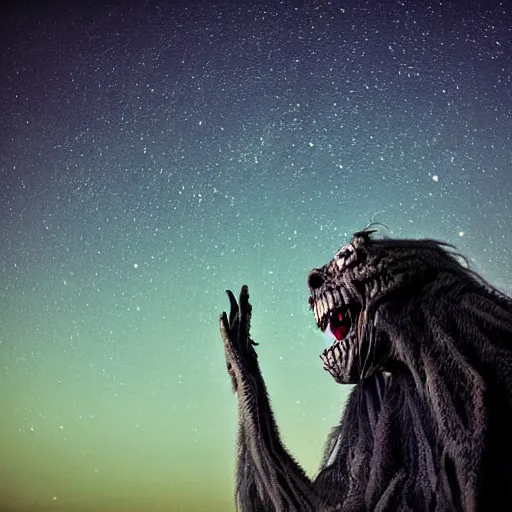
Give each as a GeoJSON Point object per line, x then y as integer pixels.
{"type": "Point", "coordinates": [449, 258]}
{"type": "Point", "coordinates": [451, 338]}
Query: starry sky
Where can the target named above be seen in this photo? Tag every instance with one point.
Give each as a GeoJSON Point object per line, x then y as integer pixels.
{"type": "Point", "coordinates": [153, 154]}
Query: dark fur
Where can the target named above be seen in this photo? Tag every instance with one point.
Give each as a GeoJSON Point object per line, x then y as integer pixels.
{"type": "Point", "coordinates": [429, 430]}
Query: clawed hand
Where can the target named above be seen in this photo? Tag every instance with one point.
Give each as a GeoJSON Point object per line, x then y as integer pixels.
{"type": "Point", "coordinates": [241, 358]}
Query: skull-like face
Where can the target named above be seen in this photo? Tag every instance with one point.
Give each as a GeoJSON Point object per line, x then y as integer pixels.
{"type": "Point", "coordinates": [368, 284]}
{"type": "Point", "coordinates": [342, 294]}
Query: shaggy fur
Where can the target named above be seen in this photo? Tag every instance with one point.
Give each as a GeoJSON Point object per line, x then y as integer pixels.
{"type": "Point", "coordinates": [428, 424]}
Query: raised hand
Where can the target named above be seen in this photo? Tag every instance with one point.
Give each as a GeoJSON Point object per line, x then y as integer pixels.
{"type": "Point", "coordinates": [241, 358]}
{"type": "Point", "coordinates": [268, 479]}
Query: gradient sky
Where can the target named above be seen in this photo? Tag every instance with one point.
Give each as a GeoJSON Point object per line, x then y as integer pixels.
{"type": "Point", "coordinates": [156, 153]}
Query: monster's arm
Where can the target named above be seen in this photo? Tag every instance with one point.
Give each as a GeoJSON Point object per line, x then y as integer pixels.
{"type": "Point", "coordinates": [268, 479]}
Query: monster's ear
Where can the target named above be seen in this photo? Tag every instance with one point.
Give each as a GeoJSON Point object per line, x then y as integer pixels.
{"type": "Point", "coordinates": [361, 238]}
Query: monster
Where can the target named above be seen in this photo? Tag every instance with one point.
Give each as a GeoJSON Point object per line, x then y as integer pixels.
{"type": "Point", "coordinates": [427, 426]}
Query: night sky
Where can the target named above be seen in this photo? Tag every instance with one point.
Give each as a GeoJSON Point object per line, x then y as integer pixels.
{"type": "Point", "coordinates": [153, 155]}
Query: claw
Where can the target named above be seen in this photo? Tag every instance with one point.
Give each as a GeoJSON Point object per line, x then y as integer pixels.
{"type": "Point", "coordinates": [224, 327]}
{"type": "Point", "coordinates": [245, 314]}
{"type": "Point", "coordinates": [234, 307]}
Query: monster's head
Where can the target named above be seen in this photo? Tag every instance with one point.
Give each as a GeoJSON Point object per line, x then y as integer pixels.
{"type": "Point", "coordinates": [353, 294]}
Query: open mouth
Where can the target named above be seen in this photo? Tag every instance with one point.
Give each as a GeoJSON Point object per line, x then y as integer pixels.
{"type": "Point", "coordinates": [336, 316]}
{"type": "Point", "coordinates": [339, 322]}
{"type": "Point", "coordinates": [332, 313]}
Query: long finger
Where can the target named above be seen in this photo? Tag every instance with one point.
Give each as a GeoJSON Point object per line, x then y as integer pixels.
{"type": "Point", "coordinates": [233, 312]}
{"type": "Point", "coordinates": [224, 327]}
{"type": "Point", "coordinates": [245, 313]}
{"type": "Point", "coordinates": [224, 332]}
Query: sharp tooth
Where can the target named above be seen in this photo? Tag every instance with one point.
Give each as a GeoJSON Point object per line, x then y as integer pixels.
{"type": "Point", "coordinates": [337, 351]}
{"type": "Point", "coordinates": [337, 298]}
{"type": "Point", "coordinates": [348, 357]}
{"type": "Point", "coordinates": [326, 307]}
{"type": "Point", "coordinates": [330, 301]}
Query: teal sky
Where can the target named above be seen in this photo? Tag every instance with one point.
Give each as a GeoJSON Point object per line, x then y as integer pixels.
{"type": "Point", "coordinates": [155, 154]}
